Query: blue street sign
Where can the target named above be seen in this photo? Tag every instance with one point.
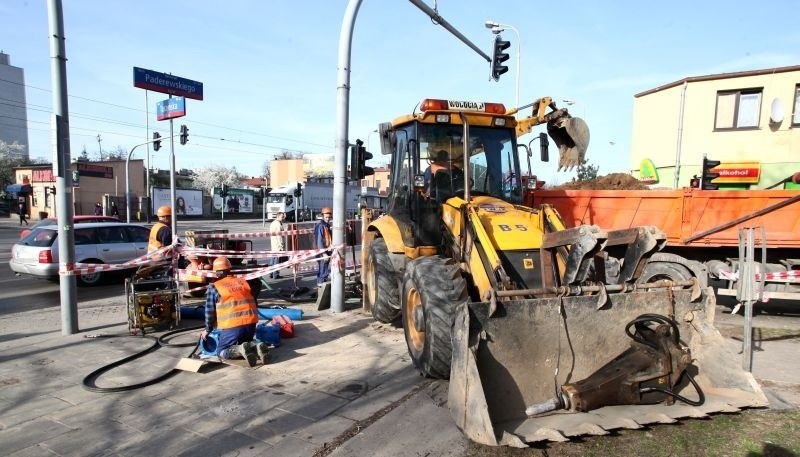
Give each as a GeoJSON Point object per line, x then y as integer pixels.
{"type": "Point", "coordinates": [167, 84]}
{"type": "Point", "coordinates": [171, 108]}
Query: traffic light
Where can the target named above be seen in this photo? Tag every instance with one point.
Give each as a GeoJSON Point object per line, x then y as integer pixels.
{"type": "Point", "coordinates": [498, 57]}
{"type": "Point", "coordinates": [184, 134]}
{"type": "Point", "coordinates": [708, 175]}
{"type": "Point", "coordinates": [156, 141]}
{"type": "Point", "coordinates": [358, 159]}
{"type": "Point", "coordinates": [224, 192]}
{"type": "Point", "coordinates": [298, 191]}
{"type": "Point", "coordinates": [694, 183]}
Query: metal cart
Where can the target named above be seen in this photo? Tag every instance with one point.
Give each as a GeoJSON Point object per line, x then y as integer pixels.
{"type": "Point", "coordinates": [152, 304]}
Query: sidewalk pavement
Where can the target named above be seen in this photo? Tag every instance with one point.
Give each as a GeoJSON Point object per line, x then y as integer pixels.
{"type": "Point", "coordinates": [339, 370]}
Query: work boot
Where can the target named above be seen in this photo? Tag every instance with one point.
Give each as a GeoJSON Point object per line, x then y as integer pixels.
{"type": "Point", "coordinates": [248, 352]}
{"type": "Point", "coordinates": [263, 352]}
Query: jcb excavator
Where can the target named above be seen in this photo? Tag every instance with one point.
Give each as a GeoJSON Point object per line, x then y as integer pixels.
{"type": "Point", "coordinates": [544, 332]}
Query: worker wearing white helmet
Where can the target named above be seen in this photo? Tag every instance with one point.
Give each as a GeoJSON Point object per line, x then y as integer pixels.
{"type": "Point", "coordinates": [231, 308]}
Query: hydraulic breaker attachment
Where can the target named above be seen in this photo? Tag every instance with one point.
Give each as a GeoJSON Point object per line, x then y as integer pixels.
{"type": "Point", "coordinates": [654, 364]}
{"type": "Point", "coordinates": [532, 350]}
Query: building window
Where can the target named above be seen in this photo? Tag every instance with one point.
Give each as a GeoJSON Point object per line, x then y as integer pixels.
{"type": "Point", "coordinates": [796, 111]}
{"type": "Point", "coordinates": [738, 109]}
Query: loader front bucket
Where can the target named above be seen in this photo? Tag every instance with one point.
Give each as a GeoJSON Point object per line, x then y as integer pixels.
{"type": "Point", "coordinates": [571, 135]}
{"type": "Point", "coordinates": [527, 349]}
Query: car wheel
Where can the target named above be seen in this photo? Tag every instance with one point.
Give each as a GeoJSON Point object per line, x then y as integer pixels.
{"type": "Point", "coordinates": [90, 279]}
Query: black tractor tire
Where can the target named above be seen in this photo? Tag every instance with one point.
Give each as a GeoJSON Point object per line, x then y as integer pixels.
{"type": "Point", "coordinates": [432, 289]}
{"type": "Point", "coordinates": [90, 279]}
{"type": "Point", "coordinates": [655, 271]}
{"type": "Point", "coordinates": [380, 289]}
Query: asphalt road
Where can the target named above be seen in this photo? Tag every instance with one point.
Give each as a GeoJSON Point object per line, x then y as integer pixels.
{"type": "Point", "coordinates": [24, 293]}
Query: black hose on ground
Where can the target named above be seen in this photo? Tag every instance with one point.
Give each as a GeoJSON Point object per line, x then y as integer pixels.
{"type": "Point", "coordinates": [89, 382]}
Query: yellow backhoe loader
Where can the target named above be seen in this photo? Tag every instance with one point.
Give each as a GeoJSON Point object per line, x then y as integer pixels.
{"type": "Point", "coordinates": [545, 333]}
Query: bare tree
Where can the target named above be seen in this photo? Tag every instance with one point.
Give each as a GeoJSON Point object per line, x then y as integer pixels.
{"type": "Point", "coordinates": [119, 153]}
{"type": "Point", "coordinates": [286, 154]}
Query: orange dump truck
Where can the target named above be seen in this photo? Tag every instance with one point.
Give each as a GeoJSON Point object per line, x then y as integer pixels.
{"type": "Point", "coordinates": [700, 225]}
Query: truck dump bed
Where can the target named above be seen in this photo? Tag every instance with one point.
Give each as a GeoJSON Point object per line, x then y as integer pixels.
{"type": "Point", "coordinates": [689, 217]}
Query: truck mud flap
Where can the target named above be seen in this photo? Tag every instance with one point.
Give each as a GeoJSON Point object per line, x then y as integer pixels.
{"type": "Point", "coordinates": [527, 349]}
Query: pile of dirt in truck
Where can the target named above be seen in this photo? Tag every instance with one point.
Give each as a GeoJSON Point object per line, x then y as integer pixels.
{"type": "Point", "coordinates": [613, 181]}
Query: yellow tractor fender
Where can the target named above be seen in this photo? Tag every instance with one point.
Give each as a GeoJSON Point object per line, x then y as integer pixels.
{"type": "Point", "coordinates": [390, 232]}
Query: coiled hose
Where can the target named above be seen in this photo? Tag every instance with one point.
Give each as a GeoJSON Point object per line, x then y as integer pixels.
{"type": "Point", "coordinates": [89, 382]}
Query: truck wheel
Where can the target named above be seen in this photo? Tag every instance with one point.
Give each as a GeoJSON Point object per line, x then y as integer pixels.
{"type": "Point", "coordinates": [432, 288]}
{"type": "Point", "coordinates": [655, 271]}
{"type": "Point", "coordinates": [381, 285]}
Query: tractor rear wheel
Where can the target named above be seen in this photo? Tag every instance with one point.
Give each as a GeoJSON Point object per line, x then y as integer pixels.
{"type": "Point", "coordinates": [432, 288]}
{"type": "Point", "coordinates": [655, 271]}
{"type": "Point", "coordinates": [381, 284]}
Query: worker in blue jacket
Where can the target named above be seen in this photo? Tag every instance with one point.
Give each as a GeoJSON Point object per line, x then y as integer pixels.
{"type": "Point", "coordinates": [322, 240]}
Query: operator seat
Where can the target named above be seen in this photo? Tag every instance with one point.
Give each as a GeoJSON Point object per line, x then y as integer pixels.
{"type": "Point", "coordinates": [446, 184]}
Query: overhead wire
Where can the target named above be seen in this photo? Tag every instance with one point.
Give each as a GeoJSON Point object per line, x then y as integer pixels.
{"type": "Point", "coordinates": [42, 108]}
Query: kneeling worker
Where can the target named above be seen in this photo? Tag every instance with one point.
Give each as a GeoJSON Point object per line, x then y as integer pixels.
{"type": "Point", "coordinates": [231, 308]}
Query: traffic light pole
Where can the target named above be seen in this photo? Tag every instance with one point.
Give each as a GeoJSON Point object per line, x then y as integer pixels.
{"type": "Point", "coordinates": [128, 181]}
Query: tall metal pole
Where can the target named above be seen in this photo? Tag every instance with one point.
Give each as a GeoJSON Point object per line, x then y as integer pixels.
{"type": "Point", "coordinates": [340, 156]}
{"type": "Point", "coordinates": [264, 205]}
{"type": "Point", "coordinates": [172, 181]}
{"type": "Point", "coordinates": [147, 172]}
{"type": "Point", "coordinates": [62, 168]}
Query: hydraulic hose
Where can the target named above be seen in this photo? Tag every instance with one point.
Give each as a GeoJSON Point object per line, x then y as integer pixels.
{"type": "Point", "coordinates": [89, 382]}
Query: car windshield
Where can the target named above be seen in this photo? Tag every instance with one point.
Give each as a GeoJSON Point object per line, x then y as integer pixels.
{"type": "Point", "coordinates": [44, 222]}
{"type": "Point", "coordinates": [40, 237]}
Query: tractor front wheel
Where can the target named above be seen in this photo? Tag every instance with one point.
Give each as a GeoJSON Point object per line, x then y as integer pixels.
{"type": "Point", "coordinates": [432, 288]}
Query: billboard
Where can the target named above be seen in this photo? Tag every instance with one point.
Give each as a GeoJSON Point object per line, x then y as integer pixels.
{"type": "Point", "coordinates": [188, 202]}
{"type": "Point", "coordinates": [237, 201]}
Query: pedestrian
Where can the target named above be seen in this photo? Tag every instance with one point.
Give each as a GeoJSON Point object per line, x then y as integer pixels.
{"type": "Point", "coordinates": [98, 209]}
{"type": "Point", "coordinates": [322, 240]}
{"type": "Point", "coordinates": [231, 308]}
{"type": "Point", "coordinates": [276, 243]}
{"type": "Point", "coordinates": [22, 209]}
{"type": "Point", "coordinates": [114, 209]}
{"type": "Point", "coordinates": [161, 233]}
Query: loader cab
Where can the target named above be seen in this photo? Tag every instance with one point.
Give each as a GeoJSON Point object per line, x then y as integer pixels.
{"type": "Point", "coordinates": [444, 155]}
{"type": "Point", "coordinates": [428, 152]}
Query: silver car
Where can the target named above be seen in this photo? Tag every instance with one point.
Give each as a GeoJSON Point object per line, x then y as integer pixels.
{"type": "Point", "coordinates": [102, 242]}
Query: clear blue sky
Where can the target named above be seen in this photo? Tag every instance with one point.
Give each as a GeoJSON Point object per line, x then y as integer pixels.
{"type": "Point", "coordinates": [269, 68]}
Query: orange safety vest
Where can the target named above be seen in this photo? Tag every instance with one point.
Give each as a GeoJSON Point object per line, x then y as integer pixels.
{"type": "Point", "coordinates": [153, 244]}
{"type": "Point", "coordinates": [236, 306]}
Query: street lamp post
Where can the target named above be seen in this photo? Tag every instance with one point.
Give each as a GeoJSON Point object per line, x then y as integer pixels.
{"type": "Point", "coordinates": [497, 28]}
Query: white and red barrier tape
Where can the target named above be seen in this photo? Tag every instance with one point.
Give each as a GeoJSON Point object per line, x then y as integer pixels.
{"type": "Point", "coordinates": [784, 276]}
{"type": "Point", "coordinates": [246, 235]}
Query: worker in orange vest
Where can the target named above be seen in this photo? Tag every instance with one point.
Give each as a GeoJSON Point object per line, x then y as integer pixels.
{"type": "Point", "coordinates": [161, 233]}
{"type": "Point", "coordinates": [231, 308]}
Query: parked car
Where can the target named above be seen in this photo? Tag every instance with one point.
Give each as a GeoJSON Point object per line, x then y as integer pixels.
{"type": "Point", "coordinates": [77, 219]}
{"type": "Point", "coordinates": [98, 242]}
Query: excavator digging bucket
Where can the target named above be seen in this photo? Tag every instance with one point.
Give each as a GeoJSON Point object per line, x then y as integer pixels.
{"type": "Point", "coordinates": [571, 135]}
{"type": "Point", "coordinates": [527, 349]}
